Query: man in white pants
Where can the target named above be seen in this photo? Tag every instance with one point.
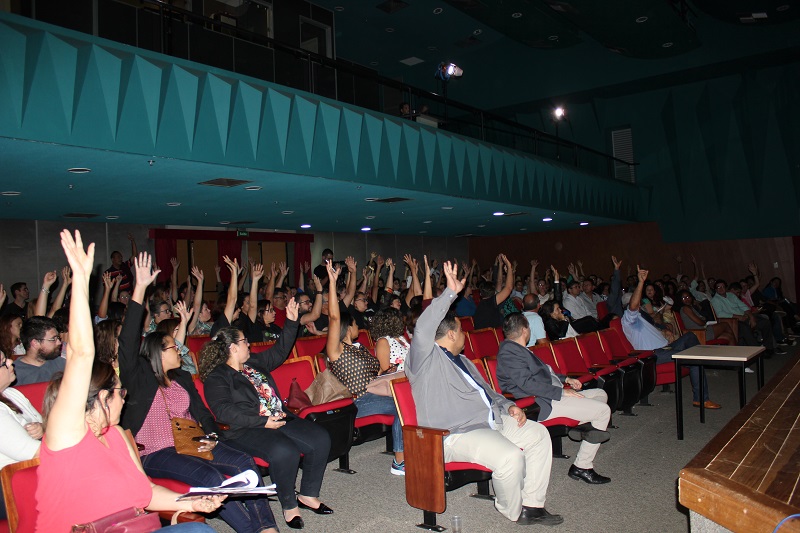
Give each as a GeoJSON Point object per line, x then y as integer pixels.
{"type": "Point", "coordinates": [522, 374]}
{"type": "Point", "coordinates": [485, 428]}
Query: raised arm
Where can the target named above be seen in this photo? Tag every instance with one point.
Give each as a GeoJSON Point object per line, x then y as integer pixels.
{"type": "Point", "coordinates": [351, 282]}
{"type": "Point", "coordinates": [257, 272]}
{"type": "Point", "coordinates": [416, 288]}
{"type": "Point", "coordinates": [333, 347]}
{"type": "Point", "coordinates": [532, 277]}
{"type": "Point", "coordinates": [41, 301]}
{"type": "Point", "coordinates": [284, 271]}
{"type": "Point", "coordinates": [66, 424]}
{"type": "Point", "coordinates": [173, 279]}
{"type": "Point", "coordinates": [242, 277]}
{"type": "Point", "coordinates": [498, 265]}
{"type": "Point", "coordinates": [316, 310]}
{"type": "Point", "coordinates": [186, 316]}
{"type": "Point", "coordinates": [753, 268]}
{"type": "Point", "coordinates": [66, 281]}
{"type": "Point", "coordinates": [198, 297]}
{"type": "Point", "coordinates": [230, 303]}
{"type": "Point", "coordinates": [273, 276]}
{"type": "Point", "coordinates": [509, 280]}
{"type": "Point", "coordinates": [134, 249]}
{"type": "Point", "coordinates": [378, 266]}
{"type": "Point", "coordinates": [3, 295]}
{"type": "Point", "coordinates": [636, 298]}
{"type": "Point", "coordinates": [427, 290]}
{"type": "Point", "coordinates": [108, 284]}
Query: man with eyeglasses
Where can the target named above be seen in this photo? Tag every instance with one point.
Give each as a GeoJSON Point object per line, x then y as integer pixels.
{"type": "Point", "coordinates": [308, 309]}
{"type": "Point", "coordinates": [42, 356]}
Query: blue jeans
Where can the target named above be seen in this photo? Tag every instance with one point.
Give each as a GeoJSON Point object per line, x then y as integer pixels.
{"type": "Point", "coordinates": [252, 514]}
{"type": "Point", "coordinates": [189, 527]}
{"type": "Point", "coordinates": [372, 404]}
{"type": "Point", "coordinates": [684, 342]}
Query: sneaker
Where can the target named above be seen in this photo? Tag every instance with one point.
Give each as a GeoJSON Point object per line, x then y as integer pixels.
{"type": "Point", "coordinates": [749, 370]}
{"type": "Point", "coordinates": [398, 469]}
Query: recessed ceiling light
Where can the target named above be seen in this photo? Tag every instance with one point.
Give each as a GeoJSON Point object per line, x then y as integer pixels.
{"type": "Point", "coordinates": [584, 223]}
{"type": "Point", "coordinates": [547, 219]}
{"type": "Point", "coordinates": [338, 8]}
{"type": "Point", "coordinates": [437, 10]}
{"type": "Point", "coordinates": [366, 228]}
{"type": "Point", "coordinates": [79, 170]}
{"type": "Point", "coordinates": [481, 225]}
{"type": "Point", "coordinates": [370, 199]}
{"type": "Point", "coordinates": [389, 30]}
{"type": "Point", "coordinates": [173, 204]}
{"type": "Point", "coordinates": [369, 217]}
{"type": "Point", "coordinates": [225, 222]}
{"type": "Point", "coordinates": [253, 188]}
{"type": "Point", "coordinates": [305, 226]}
{"type": "Point", "coordinates": [784, 7]}
{"type": "Point", "coordinates": [287, 212]}
{"type": "Point", "coordinates": [666, 45]}
{"type": "Point", "coordinates": [433, 48]}
{"type": "Point", "coordinates": [498, 213]}
{"type": "Point", "coordinates": [10, 193]}
{"type": "Point", "coordinates": [112, 217]}
{"type": "Point", "coordinates": [523, 229]}
{"type": "Point", "coordinates": [516, 15]}
{"type": "Point", "coordinates": [427, 221]}
{"type": "Point", "coordinates": [423, 231]}
{"type": "Point", "coordinates": [477, 32]}
{"type": "Point", "coordinates": [641, 19]}
{"type": "Point", "coordinates": [553, 38]}
{"type": "Point", "coordinates": [373, 63]}
{"type": "Point", "coordinates": [447, 207]}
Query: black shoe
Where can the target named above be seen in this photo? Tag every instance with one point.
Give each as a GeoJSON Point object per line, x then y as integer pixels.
{"type": "Point", "coordinates": [538, 515]}
{"type": "Point", "coordinates": [296, 523]}
{"type": "Point", "coordinates": [589, 433]}
{"type": "Point", "coordinates": [322, 509]}
{"type": "Point", "coordinates": [588, 475]}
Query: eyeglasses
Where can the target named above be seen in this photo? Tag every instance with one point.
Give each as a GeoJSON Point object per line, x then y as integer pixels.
{"type": "Point", "coordinates": [279, 297]}
{"type": "Point", "coordinates": [124, 297]}
{"type": "Point", "coordinates": [304, 302]}
{"type": "Point", "coordinates": [361, 299]}
{"type": "Point", "coordinates": [164, 349]}
{"type": "Point", "coordinates": [53, 339]}
{"type": "Point", "coordinates": [122, 391]}
{"type": "Point", "coordinates": [5, 363]}
{"type": "Point", "coordinates": [243, 340]}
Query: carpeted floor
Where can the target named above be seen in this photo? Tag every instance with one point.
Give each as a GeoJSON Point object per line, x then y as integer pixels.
{"type": "Point", "coordinates": [643, 459]}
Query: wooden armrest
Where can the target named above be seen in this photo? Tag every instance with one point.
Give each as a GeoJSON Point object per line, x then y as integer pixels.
{"type": "Point", "coordinates": [428, 431]}
{"type": "Point", "coordinates": [424, 454]}
{"type": "Point", "coordinates": [508, 395]}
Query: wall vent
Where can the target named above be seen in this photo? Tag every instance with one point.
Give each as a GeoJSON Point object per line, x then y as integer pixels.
{"type": "Point", "coordinates": [622, 146]}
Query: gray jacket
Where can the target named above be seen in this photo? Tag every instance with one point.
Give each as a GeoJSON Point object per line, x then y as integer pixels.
{"type": "Point", "coordinates": [444, 398]}
{"type": "Point", "coordinates": [521, 374]}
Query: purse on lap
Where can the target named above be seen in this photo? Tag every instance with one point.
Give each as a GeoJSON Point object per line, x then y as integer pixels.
{"type": "Point", "coordinates": [133, 520]}
{"type": "Point", "coordinates": [184, 431]}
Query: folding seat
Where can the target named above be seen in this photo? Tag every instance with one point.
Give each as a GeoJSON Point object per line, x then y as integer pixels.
{"type": "Point", "coordinates": [480, 364]}
{"type": "Point", "coordinates": [257, 347]}
{"type": "Point", "coordinates": [571, 362]}
{"type": "Point", "coordinates": [467, 324]}
{"type": "Point", "coordinates": [195, 343]}
{"type": "Point", "coordinates": [425, 465]}
{"type": "Point", "coordinates": [365, 340]}
{"type": "Point", "coordinates": [602, 310]}
{"type": "Point", "coordinates": [500, 335]}
{"type": "Point", "coordinates": [468, 351]}
{"type": "Point", "coordinates": [34, 392]}
{"type": "Point", "coordinates": [527, 404]}
{"type": "Point", "coordinates": [700, 333]}
{"type": "Point", "coordinates": [484, 342]}
{"type": "Point", "coordinates": [310, 346]}
{"type": "Point", "coordinates": [596, 357]}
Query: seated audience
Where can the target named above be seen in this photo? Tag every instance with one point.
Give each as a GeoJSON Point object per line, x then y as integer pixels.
{"type": "Point", "coordinates": [391, 347]}
{"type": "Point", "coordinates": [176, 328]}
{"type": "Point", "coordinates": [493, 295]}
{"type": "Point", "coordinates": [42, 356]}
{"type": "Point", "coordinates": [485, 427]}
{"type": "Point", "coordinates": [530, 310]}
{"type": "Point", "coordinates": [355, 367]}
{"type": "Point", "coordinates": [522, 374]}
{"type": "Point", "coordinates": [727, 305]}
{"type": "Point", "coordinates": [202, 321]}
{"type": "Point", "coordinates": [240, 391]}
{"type": "Point", "coordinates": [693, 318]}
{"type": "Point", "coordinates": [83, 442]}
{"type": "Point", "coordinates": [10, 342]}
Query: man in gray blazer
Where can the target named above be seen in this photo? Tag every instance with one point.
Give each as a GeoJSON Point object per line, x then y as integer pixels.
{"type": "Point", "coordinates": [485, 428]}
{"type": "Point", "coordinates": [521, 374]}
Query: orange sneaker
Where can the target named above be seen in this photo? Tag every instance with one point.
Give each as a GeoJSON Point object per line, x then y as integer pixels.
{"type": "Point", "coordinates": [708, 405]}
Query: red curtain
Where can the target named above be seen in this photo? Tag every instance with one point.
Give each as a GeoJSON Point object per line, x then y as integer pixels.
{"type": "Point", "coordinates": [302, 253]}
{"type": "Point", "coordinates": [165, 249]}
{"type": "Point", "coordinates": [231, 248]}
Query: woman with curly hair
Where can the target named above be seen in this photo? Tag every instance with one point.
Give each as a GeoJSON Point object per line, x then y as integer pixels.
{"type": "Point", "coordinates": [391, 347]}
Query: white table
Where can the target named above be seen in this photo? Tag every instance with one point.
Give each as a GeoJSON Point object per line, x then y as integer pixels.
{"type": "Point", "coordinates": [716, 356]}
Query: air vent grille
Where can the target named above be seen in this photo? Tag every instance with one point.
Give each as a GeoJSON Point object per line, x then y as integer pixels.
{"type": "Point", "coordinates": [622, 144]}
{"type": "Point", "coordinates": [392, 200]}
{"type": "Point", "coordinates": [224, 182]}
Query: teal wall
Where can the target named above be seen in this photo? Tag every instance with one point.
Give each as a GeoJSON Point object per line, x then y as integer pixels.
{"type": "Point", "coordinates": [721, 157]}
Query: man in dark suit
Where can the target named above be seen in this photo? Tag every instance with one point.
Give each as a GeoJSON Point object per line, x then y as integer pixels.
{"type": "Point", "coordinates": [522, 374]}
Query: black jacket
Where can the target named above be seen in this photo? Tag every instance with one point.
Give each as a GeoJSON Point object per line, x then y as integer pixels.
{"type": "Point", "coordinates": [521, 374]}
{"type": "Point", "coordinates": [233, 398]}
{"type": "Point", "coordinates": [137, 376]}
{"type": "Point", "coordinates": [556, 329]}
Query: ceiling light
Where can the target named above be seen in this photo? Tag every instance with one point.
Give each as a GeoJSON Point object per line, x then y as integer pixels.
{"type": "Point", "coordinates": [547, 219]}
{"type": "Point", "coordinates": [411, 61]}
{"type": "Point", "coordinates": [370, 199]}
{"type": "Point", "coordinates": [666, 45]}
{"type": "Point", "coordinates": [389, 30]}
{"type": "Point", "coordinates": [584, 223]}
{"type": "Point", "coordinates": [759, 15]}
{"type": "Point", "coordinates": [79, 170]}
{"type": "Point", "coordinates": [369, 217]}
{"type": "Point", "coordinates": [338, 8]}
{"type": "Point", "coordinates": [112, 217]}
{"type": "Point", "coordinates": [373, 63]}
{"type": "Point", "coordinates": [173, 204]}
{"type": "Point", "coordinates": [305, 226]}
{"type": "Point", "coordinates": [558, 113]}
{"type": "Point", "coordinates": [427, 221]}
{"type": "Point", "coordinates": [447, 207]}
{"type": "Point", "coordinates": [10, 193]}
{"type": "Point", "coordinates": [253, 188]}
{"type": "Point", "coordinates": [287, 212]}
{"type": "Point", "coordinates": [366, 228]}
{"type": "Point", "coordinates": [423, 231]}
{"type": "Point", "coordinates": [553, 38]}
{"type": "Point", "coordinates": [477, 32]}
{"type": "Point", "coordinates": [481, 225]}
{"type": "Point", "coordinates": [498, 213]}
{"type": "Point", "coordinates": [784, 7]}
{"type": "Point", "coordinates": [437, 10]}
{"type": "Point", "coordinates": [516, 15]}
{"type": "Point", "coordinates": [641, 19]}
{"type": "Point", "coordinates": [433, 48]}
{"type": "Point", "coordinates": [445, 71]}
{"type": "Point", "coordinates": [523, 229]}
{"type": "Point", "coordinates": [225, 222]}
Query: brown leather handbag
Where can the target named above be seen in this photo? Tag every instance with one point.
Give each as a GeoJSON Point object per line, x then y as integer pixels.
{"type": "Point", "coordinates": [327, 388]}
{"type": "Point", "coordinates": [186, 433]}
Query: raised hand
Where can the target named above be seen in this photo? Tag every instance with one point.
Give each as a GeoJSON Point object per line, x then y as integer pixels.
{"type": "Point", "coordinates": [427, 266]}
{"type": "Point", "coordinates": [273, 271]}
{"type": "Point", "coordinates": [642, 274]}
{"type": "Point", "coordinates": [233, 265]}
{"type": "Point", "coordinates": [306, 266]}
{"type": "Point", "coordinates": [333, 274]}
{"type": "Point", "coordinates": [197, 273]}
{"type": "Point", "coordinates": [373, 255]}
{"type": "Point", "coordinates": [3, 294]}
{"type": "Point", "coordinates": [108, 283]}
{"type": "Point", "coordinates": [534, 263]}
{"type": "Point", "coordinates": [49, 279]}
{"type": "Point", "coordinates": [142, 266]}
{"type": "Point", "coordinates": [451, 273]}
{"type": "Point", "coordinates": [66, 276]}
{"type": "Point", "coordinates": [555, 273]}
{"type": "Point", "coordinates": [617, 263]}
{"type": "Point", "coordinates": [753, 268]}
{"type": "Point", "coordinates": [184, 313]}
{"type": "Point", "coordinates": [389, 263]}
{"type": "Point", "coordinates": [679, 259]}
{"type": "Point", "coordinates": [317, 282]}
{"type": "Point", "coordinates": [379, 262]}
{"type": "Point", "coordinates": [292, 309]}
{"type": "Point", "coordinates": [175, 263]}
{"type": "Point", "coordinates": [580, 264]}
{"type": "Point", "coordinates": [82, 262]}
{"type": "Point", "coordinates": [351, 264]}
{"type": "Point", "coordinates": [130, 237]}
{"type": "Point", "coordinates": [257, 272]}
{"type": "Point", "coordinates": [283, 268]}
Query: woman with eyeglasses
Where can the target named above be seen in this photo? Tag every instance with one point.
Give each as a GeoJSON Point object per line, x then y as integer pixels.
{"type": "Point", "coordinates": [20, 422]}
{"type": "Point", "coordinates": [159, 389]}
{"type": "Point", "coordinates": [88, 468]}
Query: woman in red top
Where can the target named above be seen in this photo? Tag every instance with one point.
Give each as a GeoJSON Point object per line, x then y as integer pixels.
{"type": "Point", "coordinates": [83, 445]}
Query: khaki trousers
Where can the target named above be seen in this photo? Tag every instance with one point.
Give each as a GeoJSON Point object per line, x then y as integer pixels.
{"type": "Point", "coordinates": [592, 408]}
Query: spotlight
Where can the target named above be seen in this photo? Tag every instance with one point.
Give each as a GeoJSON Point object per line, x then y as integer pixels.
{"type": "Point", "coordinates": [447, 70]}
{"type": "Point", "coordinates": [558, 113]}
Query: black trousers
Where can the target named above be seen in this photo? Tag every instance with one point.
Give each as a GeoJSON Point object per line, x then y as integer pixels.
{"type": "Point", "coordinates": [282, 448]}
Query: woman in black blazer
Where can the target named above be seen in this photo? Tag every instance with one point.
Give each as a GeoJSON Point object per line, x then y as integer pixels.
{"type": "Point", "coordinates": [241, 392]}
{"type": "Point", "coordinates": [158, 390]}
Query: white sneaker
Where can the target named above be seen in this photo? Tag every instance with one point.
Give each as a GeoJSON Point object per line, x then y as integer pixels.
{"type": "Point", "coordinates": [749, 370]}
{"type": "Point", "coordinates": [398, 469]}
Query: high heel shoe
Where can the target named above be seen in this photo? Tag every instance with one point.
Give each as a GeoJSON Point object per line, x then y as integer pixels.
{"type": "Point", "coordinates": [322, 509]}
{"type": "Point", "coordinates": [296, 523]}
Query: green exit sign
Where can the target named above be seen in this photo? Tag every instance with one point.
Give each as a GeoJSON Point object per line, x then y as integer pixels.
{"type": "Point", "coordinates": [242, 233]}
